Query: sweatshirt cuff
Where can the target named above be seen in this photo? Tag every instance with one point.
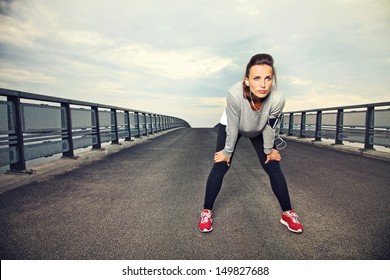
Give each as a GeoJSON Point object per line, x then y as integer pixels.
{"type": "Point", "coordinates": [267, 151]}
{"type": "Point", "coordinates": [226, 154]}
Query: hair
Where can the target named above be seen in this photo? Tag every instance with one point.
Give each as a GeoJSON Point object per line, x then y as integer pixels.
{"type": "Point", "coordinates": [257, 59]}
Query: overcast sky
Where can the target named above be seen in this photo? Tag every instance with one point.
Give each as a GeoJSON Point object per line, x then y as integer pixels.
{"type": "Point", "coordinates": [179, 57]}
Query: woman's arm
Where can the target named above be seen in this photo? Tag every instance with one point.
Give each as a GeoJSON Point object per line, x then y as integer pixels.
{"type": "Point", "coordinates": [233, 119]}
{"type": "Point", "coordinates": [276, 109]}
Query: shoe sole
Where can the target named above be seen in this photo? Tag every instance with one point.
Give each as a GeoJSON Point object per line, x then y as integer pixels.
{"type": "Point", "coordinates": [290, 229]}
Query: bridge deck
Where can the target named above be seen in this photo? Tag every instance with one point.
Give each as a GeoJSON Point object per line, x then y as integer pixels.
{"type": "Point", "coordinates": [143, 203]}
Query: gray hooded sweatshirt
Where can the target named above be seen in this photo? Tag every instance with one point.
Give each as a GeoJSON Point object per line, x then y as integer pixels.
{"type": "Point", "coordinates": [241, 119]}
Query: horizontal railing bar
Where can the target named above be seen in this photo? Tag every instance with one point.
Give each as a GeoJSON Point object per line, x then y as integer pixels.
{"type": "Point", "coordinates": [380, 104]}
{"type": "Point", "coordinates": [39, 97]}
{"type": "Point", "coordinates": [341, 126]}
{"type": "Point", "coordinates": [35, 138]}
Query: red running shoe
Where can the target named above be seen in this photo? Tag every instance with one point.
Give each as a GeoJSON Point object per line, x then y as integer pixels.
{"type": "Point", "coordinates": [206, 222]}
{"type": "Point", "coordinates": [291, 221]}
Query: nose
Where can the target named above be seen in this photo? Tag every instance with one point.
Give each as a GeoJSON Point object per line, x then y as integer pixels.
{"type": "Point", "coordinates": [262, 83]}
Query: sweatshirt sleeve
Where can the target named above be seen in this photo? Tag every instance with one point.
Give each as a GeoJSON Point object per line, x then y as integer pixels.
{"type": "Point", "coordinates": [233, 119]}
{"type": "Point", "coordinates": [268, 132]}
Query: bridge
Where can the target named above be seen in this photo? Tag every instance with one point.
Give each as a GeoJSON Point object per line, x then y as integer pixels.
{"type": "Point", "coordinates": [141, 200]}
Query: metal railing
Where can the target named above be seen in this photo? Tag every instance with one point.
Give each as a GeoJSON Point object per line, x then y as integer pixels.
{"type": "Point", "coordinates": [31, 130]}
{"type": "Point", "coordinates": [368, 124]}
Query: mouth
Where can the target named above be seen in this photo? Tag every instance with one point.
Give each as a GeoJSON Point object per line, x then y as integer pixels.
{"type": "Point", "coordinates": [262, 91]}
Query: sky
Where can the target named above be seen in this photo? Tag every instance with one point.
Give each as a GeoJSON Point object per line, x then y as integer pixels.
{"type": "Point", "coordinates": [179, 58]}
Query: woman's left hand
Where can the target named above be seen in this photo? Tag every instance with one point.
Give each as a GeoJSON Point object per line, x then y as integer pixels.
{"type": "Point", "coordinates": [274, 155]}
{"type": "Point", "coordinates": [220, 157]}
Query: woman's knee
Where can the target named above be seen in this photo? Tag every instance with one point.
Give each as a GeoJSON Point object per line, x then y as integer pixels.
{"type": "Point", "coordinates": [272, 167]}
{"type": "Point", "coordinates": [220, 167]}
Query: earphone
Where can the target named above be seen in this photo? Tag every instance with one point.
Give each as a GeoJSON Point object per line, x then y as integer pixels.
{"type": "Point", "coordinates": [282, 143]}
{"type": "Point", "coordinates": [278, 119]}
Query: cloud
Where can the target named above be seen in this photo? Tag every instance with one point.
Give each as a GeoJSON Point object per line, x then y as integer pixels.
{"type": "Point", "coordinates": [12, 74]}
{"type": "Point", "coordinates": [5, 6]}
{"type": "Point", "coordinates": [307, 94]}
{"type": "Point", "coordinates": [173, 64]}
{"type": "Point", "coordinates": [312, 100]}
{"type": "Point", "coordinates": [180, 57]}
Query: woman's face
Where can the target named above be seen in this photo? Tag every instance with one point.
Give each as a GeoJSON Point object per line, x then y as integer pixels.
{"type": "Point", "coordinates": [260, 80]}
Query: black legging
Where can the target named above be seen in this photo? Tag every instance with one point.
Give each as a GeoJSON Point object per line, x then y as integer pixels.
{"type": "Point", "coordinates": [214, 181]}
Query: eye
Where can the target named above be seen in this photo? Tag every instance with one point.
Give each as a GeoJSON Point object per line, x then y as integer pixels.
{"type": "Point", "coordinates": [268, 78]}
{"type": "Point", "coordinates": [256, 78]}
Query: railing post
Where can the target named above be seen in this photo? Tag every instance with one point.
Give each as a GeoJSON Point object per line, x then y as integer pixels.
{"type": "Point", "coordinates": [339, 126]}
{"type": "Point", "coordinates": [303, 125]}
{"type": "Point", "coordinates": [290, 124]}
{"type": "Point", "coordinates": [151, 124]}
{"type": "Point", "coordinates": [68, 131]}
{"type": "Point", "coordinates": [21, 164]}
{"type": "Point", "coordinates": [156, 122]}
{"type": "Point", "coordinates": [127, 114]}
{"type": "Point", "coordinates": [159, 123]}
{"type": "Point", "coordinates": [369, 129]}
{"type": "Point", "coordinates": [98, 145]}
{"type": "Point", "coordinates": [146, 124]}
{"type": "Point", "coordinates": [317, 136]}
{"type": "Point", "coordinates": [116, 140]}
{"type": "Point", "coordinates": [138, 124]}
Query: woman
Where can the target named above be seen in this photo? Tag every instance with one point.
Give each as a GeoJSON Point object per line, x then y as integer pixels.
{"type": "Point", "coordinates": [253, 107]}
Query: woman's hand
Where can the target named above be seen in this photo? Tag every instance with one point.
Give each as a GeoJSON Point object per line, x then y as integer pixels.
{"type": "Point", "coordinates": [274, 155]}
{"type": "Point", "coordinates": [220, 157]}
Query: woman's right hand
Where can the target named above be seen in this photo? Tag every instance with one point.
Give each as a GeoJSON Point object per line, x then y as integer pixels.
{"type": "Point", "coordinates": [220, 157]}
{"type": "Point", "coordinates": [274, 155]}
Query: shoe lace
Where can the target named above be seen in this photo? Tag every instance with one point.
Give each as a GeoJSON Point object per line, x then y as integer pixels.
{"type": "Point", "coordinates": [293, 216]}
{"type": "Point", "coordinates": [205, 217]}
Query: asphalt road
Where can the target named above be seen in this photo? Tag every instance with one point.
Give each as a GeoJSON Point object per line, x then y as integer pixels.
{"type": "Point", "coordinates": [144, 202]}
